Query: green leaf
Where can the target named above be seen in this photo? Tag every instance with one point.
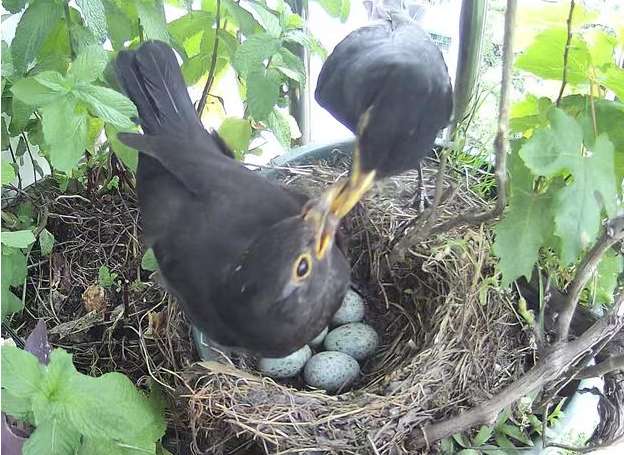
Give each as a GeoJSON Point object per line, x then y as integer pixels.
{"type": "Point", "coordinates": [262, 92]}
{"type": "Point", "coordinates": [242, 18]}
{"type": "Point", "coordinates": [131, 419]}
{"type": "Point", "coordinates": [20, 408]}
{"type": "Point", "coordinates": [332, 7]}
{"type": "Point", "coordinates": [468, 452]}
{"type": "Point", "coordinates": [461, 439]}
{"type": "Point", "coordinates": [152, 17]}
{"type": "Point", "coordinates": [279, 126]}
{"type": "Point", "coordinates": [345, 9]}
{"type": "Point", "coordinates": [46, 242]}
{"type": "Point", "coordinates": [290, 65]}
{"type": "Point", "coordinates": [52, 437]}
{"type": "Point", "coordinates": [94, 17]}
{"type": "Point", "coordinates": [254, 51]}
{"type": "Point", "coordinates": [105, 279]}
{"type": "Point", "coordinates": [544, 57]}
{"type": "Point", "coordinates": [6, 68]}
{"type": "Point", "coordinates": [515, 433]}
{"type": "Point", "coordinates": [14, 6]}
{"type": "Point", "coordinates": [108, 104]}
{"type": "Point", "coordinates": [127, 155]}
{"type": "Point", "coordinates": [8, 173]}
{"type": "Point", "coordinates": [482, 436]}
{"type": "Point", "coordinates": [236, 132]}
{"type": "Point", "coordinates": [22, 373]}
{"type": "Point", "coordinates": [10, 302]}
{"type": "Point", "coordinates": [503, 441]}
{"type": "Point", "coordinates": [89, 64]}
{"type": "Point", "coordinates": [611, 266]}
{"type": "Point", "coordinates": [21, 113]}
{"type": "Point", "coordinates": [65, 132]}
{"type": "Point", "coordinates": [120, 27]}
{"type": "Point", "coordinates": [149, 262]}
{"type": "Point", "coordinates": [601, 47]}
{"type": "Point", "coordinates": [191, 24]}
{"type": "Point", "coordinates": [103, 446]}
{"type": "Point", "coordinates": [13, 266]}
{"type": "Point", "coordinates": [613, 78]}
{"type": "Point", "coordinates": [35, 24]}
{"type": "Point", "coordinates": [94, 130]}
{"type": "Point", "coordinates": [267, 19]}
{"type": "Point", "coordinates": [306, 40]}
{"type": "Point", "coordinates": [34, 93]}
{"type": "Point", "coordinates": [578, 206]}
{"type": "Point", "coordinates": [18, 239]}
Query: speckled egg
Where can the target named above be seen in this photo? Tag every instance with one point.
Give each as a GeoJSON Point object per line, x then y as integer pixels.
{"type": "Point", "coordinates": [285, 367]}
{"type": "Point", "coordinates": [351, 310]}
{"type": "Point", "coordinates": [318, 341]}
{"type": "Point", "coordinates": [331, 371]}
{"type": "Point", "coordinates": [356, 339]}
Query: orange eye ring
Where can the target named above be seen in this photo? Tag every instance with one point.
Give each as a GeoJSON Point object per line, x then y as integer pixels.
{"type": "Point", "coordinates": [302, 267]}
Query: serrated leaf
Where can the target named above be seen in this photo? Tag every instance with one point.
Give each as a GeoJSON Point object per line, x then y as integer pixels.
{"type": "Point", "coordinates": [20, 408]}
{"type": "Point", "coordinates": [120, 27]}
{"type": "Point", "coordinates": [105, 278]}
{"type": "Point", "coordinates": [290, 65]}
{"type": "Point", "coordinates": [8, 173]}
{"type": "Point", "coordinates": [127, 155]}
{"type": "Point", "coordinates": [65, 132]}
{"type": "Point", "coordinates": [236, 132]}
{"type": "Point", "coordinates": [108, 104]}
{"type": "Point", "coordinates": [191, 24]}
{"type": "Point", "coordinates": [21, 113]}
{"type": "Point", "coordinates": [280, 128]}
{"type": "Point", "coordinates": [94, 17]}
{"type": "Point", "coordinates": [515, 433]}
{"type": "Point", "coordinates": [14, 6]}
{"type": "Point", "coordinates": [266, 18]}
{"type": "Point", "coordinates": [306, 40]}
{"type": "Point", "coordinates": [262, 92]}
{"type": "Point", "coordinates": [152, 17]}
{"type": "Point", "coordinates": [482, 436]}
{"type": "Point", "coordinates": [610, 267]}
{"type": "Point", "coordinates": [254, 51]}
{"type": "Point", "coordinates": [89, 64]}
{"type": "Point", "coordinates": [612, 77]}
{"type": "Point", "coordinates": [22, 374]}
{"type": "Point", "coordinates": [52, 437]}
{"type": "Point", "coordinates": [17, 239]}
{"type": "Point", "coordinates": [35, 24]}
{"type": "Point", "coordinates": [242, 18]}
{"type": "Point", "coordinates": [33, 93]}
{"type": "Point", "coordinates": [544, 57]}
{"type": "Point", "coordinates": [149, 262]}
{"type": "Point", "coordinates": [46, 242]}
{"type": "Point", "coordinates": [578, 205]}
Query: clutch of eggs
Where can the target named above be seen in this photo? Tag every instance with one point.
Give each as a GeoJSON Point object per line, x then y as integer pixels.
{"type": "Point", "coordinates": [335, 369]}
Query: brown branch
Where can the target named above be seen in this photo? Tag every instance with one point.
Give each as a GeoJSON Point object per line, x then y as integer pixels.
{"type": "Point", "coordinates": [611, 364]}
{"type": "Point", "coordinates": [547, 369]}
{"type": "Point", "coordinates": [566, 51]}
{"type": "Point", "coordinates": [213, 65]}
{"type": "Point", "coordinates": [613, 232]}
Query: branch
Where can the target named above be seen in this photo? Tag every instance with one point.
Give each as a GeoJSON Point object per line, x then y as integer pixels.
{"type": "Point", "coordinates": [613, 232]}
{"type": "Point", "coordinates": [547, 369]}
{"type": "Point", "coordinates": [213, 65]}
{"type": "Point", "coordinates": [607, 366]}
{"type": "Point", "coordinates": [566, 51]}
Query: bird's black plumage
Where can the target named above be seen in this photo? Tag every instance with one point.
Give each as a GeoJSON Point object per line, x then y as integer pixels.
{"type": "Point", "coordinates": [388, 83]}
{"type": "Point", "coordinates": [228, 241]}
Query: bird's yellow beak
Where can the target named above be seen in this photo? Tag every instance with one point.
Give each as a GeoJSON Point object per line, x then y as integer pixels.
{"type": "Point", "coordinates": [335, 203]}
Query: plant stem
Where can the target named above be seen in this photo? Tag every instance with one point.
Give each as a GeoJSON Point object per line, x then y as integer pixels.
{"type": "Point", "coordinates": [72, 52]}
{"type": "Point", "coordinates": [566, 51]}
{"type": "Point", "coordinates": [213, 65]}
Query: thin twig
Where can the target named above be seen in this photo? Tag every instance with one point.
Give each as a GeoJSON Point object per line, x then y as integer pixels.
{"type": "Point", "coordinates": [613, 232]}
{"type": "Point", "coordinates": [611, 364]}
{"type": "Point", "coordinates": [549, 368]}
{"type": "Point", "coordinates": [566, 51]}
{"type": "Point", "coordinates": [213, 65]}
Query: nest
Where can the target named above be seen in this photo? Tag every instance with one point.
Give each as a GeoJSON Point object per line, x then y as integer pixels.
{"type": "Point", "coordinates": [450, 338]}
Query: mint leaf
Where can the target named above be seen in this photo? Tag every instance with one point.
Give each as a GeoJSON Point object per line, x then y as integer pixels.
{"type": "Point", "coordinates": [14, 6]}
{"type": "Point", "coordinates": [121, 27]}
{"type": "Point", "coordinates": [10, 302]}
{"type": "Point", "coordinates": [89, 64]}
{"type": "Point", "coordinates": [20, 408]}
{"type": "Point", "coordinates": [242, 18]}
{"type": "Point", "coordinates": [65, 132]}
{"type": "Point", "coordinates": [8, 173]}
{"type": "Point", "coordinates": [152, 19]}
{"type": "Point", "coordinates": [53, 437]}
{"type": "Point", "coordinates": [102, 446]}
{"type": "Point", "coordinates": [613, 78]}
{"type": "Point", "coordinates": [544, 57]}
{"type": "Point", "coordinates": [94, 17]}
{"type": "Point", "coordinates": [306, 40]}
{"type": "Point", "coordinates": [578, 207]}
{"type": "Point", "coordinates": [22, 374]}
{"type": "Point", "coordinates": [236, 132]}
{"type": "Point", "coordinates": [254, 51]}
{"type": "Point", "coordinates": [13, 266]}
{"type": "Point", "coordinates": [46, 242]}
{"type": "Point", "coordinates": [35, 24]}
{"type": "Point", "coordinates": [149, 262]}
{"type": "Point", "coordinates": [21, 113]}
{"type": "Point", "coordinates": [34, 93]}
{"type": "Point", "coordinates": [266, 18]}
{"type": "Point", "coordinates": [108, 104]}
{"type": "Point", "coordinates": [262, 92]}
{"type": "Point", "coordinates": [127, 155]}
{"type": "Point", "coordinates": [281, 129]}
{"type": "Point", "coordinates": [290, 65]}
{"type": "Point", "coordinates": [17, 239]}
{"type": "Point", "coordinates": [105, 279]}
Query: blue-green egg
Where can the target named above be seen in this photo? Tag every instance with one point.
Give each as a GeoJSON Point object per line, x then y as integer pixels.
{"type": "Point", "coordinates": [351, 310]}
{"type": "Point", "coordinates": [331, 371]}
{"type": "Point", "coordinates": [356, 339]}
{"type": "Point", "coordinates": [285, 367]}
{"type": "Point", "coordinates": [318, 340]}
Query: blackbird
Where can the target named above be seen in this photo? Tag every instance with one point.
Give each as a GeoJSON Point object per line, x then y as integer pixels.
{"type": "Point", "coordinates": [256, 267]}
{"type": "Point", "coordinates": [388, 83]}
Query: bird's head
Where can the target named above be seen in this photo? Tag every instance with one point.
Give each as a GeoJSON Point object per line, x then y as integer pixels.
{"type": "Point", "coordinates": [290, 280]}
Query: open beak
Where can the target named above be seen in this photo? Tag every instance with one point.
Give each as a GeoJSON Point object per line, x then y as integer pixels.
{"type": "Point", "coordinates": [326, 212]}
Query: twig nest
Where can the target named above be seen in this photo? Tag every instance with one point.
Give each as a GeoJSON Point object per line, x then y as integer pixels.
{"type": "Point", "coordinates": [318, 341]}
{"type": "Point", "coordinates": [331, 371]}
{"type": "Point", "coordinates": [356, 339]}
{"type": "Point", "coordinates": [285, 367]}
{"type": "Point", "coordinates": [351, 310]}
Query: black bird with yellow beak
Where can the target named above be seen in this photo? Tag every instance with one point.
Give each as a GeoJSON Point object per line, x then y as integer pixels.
{"type": "Point", "coordinates": [388, 83]}
{"type": "Point", "coordinates": [255, 266]}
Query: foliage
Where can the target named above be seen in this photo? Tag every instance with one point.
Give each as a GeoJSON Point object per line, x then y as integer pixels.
{"type": "Point", "coordinates": [567, 162]}
{"type": "Point", "coordinates": [75, 413]}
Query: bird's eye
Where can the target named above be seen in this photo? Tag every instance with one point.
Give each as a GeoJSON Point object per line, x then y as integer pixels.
{"type": "Point", "coordinates": [303, 266]}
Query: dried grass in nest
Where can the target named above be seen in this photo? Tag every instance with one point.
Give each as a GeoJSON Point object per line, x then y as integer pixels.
{"type": "Point", "coordinates": [448, 339]}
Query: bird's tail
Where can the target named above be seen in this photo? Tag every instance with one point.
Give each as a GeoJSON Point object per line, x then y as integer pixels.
{"type": "Point", "coordinates": [151, 78]}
